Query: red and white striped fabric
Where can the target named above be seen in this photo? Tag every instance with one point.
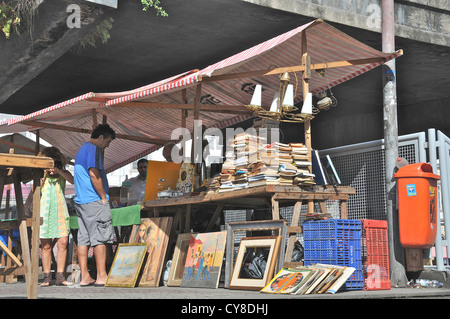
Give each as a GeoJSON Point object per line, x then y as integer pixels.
{"type": "Point", "coordinates": [324, 44]}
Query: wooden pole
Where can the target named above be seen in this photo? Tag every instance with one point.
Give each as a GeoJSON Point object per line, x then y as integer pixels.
{"type": "Point", "coordinates": [31, 283]}
{"type": "Point", "coordinates": [196, 143]}
{"type": "Point", "coordinates": [184, 116]}
{"type": "Point", "coordinates": [37, 146]}
{"type": "Point", "coordinates": [94, 118]}
{"type": "Point", "coordinates": [307, 125]}
{"type": "Point", "coordinates": [88, 131]}
{"type": "Point", "coordinates": [35, 231]}
{"type": "Point", "coordinates": [36, 217]}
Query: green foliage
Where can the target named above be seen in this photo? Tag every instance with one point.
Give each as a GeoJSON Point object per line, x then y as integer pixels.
{"type": "Point", "coordinates": [155, 4]}
{"type": "Point", "coordinates": [100, 32]}
{"type": "Point", "coordinates": [9, 19]}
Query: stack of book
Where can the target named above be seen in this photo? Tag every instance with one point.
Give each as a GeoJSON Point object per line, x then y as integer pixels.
{"type": "Point", "coordinates": [281, 151]}
{"type": "Point", "coordinates": [299, 154]}
{"type": "Point", "coordinates": [240, 179]}
{"type": "Point", "coordinates": [213, 183]}
{"type": "Point", "coordinates": [226, 186]}
{"type": "Point", "coordinates": [261, 174]}
{"type": "Point", "coordinates": [300, 159]}
{"type": "Point", "coordinates": [287, 172]}
{"type": "Point", "coordinates": [245, 144]}
{"type": "Point", "coordinates": [251, 162]}
{"type": "Point", "coordinates": [226, 176]}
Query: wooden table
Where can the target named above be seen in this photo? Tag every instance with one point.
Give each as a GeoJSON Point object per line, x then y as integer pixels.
{"type": "Point", "coordinates": [15, 169]}
{"type": "Point", "coordinates": [269, 196]}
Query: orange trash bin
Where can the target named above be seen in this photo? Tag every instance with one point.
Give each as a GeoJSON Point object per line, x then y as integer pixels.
{"type": "Point", "coordinates": [417, 205]}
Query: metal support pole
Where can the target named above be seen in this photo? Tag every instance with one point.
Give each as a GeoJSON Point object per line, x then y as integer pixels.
{"type": "Point", "coordinates": [444, 154]}
{"type": "Point", "coordinates": [433, 162]}
{"type": "Point", "coordinates": [398, 275]}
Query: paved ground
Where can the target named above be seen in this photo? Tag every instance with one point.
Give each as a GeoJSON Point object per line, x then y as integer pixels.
{"type": "Point", "coordinates": [18, 291]}
{"type": "Point", "coordinates": [177, 302]}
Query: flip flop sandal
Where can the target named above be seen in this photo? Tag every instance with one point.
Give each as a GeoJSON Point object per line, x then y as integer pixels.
{"type": "Point", "coordinates": [47, 280]}
{"type": "Point", "coordinates": [61, 280]}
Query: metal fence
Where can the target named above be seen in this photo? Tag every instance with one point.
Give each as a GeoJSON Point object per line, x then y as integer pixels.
{"type": "Point", "coordinates": [362, 167]}
{"type": "Point", "coordinates": [439, 158]}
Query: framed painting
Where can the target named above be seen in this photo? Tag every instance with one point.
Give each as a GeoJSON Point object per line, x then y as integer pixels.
{"type": "Point", "coordinates": [288, 281]}
{"type": "Point", "coordinates": [126, 265]}
{"type": "Point", "coordinates": [155, 232]}
{"type": "Point", "coordinates": [255, 272]}
{"type": "Point", "coordinates": [242, 229]}
{"type": "Point", "coordinates": [204, 259]}
{"type": "Point", "coordinates": [179, 259]}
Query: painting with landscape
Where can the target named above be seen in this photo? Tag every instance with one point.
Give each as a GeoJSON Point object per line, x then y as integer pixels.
{"type": "Point", "coordinates": [126, 265]}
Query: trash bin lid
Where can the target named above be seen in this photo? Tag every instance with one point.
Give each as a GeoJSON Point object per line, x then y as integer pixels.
{"type": "Point", "coordinates": [423, 170]}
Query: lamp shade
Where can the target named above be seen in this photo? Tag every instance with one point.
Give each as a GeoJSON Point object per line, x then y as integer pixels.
{"type": "Point", "coordinates": [289, 95]}
{"type": "Point", "coordinates": [275, 102]}
{"type": "Point", "coordinates": [307, 104]}
{"type": "Point", "coordinates": [257, 94]}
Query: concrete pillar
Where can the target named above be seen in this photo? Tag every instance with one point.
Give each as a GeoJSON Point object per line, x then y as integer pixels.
{"type": "Point", "coordinates": [398, 276]}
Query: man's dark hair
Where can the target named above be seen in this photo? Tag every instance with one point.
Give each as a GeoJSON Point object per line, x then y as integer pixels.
{"type": "Point", "coordinates": [142, 160]}
{"type": "Point", "coordinates": [105, 130]}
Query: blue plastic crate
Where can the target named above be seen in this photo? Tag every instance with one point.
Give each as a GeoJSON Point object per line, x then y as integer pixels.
{"type": "Point", "coordinates": [335, 242]}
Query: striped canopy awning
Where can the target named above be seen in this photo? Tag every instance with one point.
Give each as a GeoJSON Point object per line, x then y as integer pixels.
{"type": "Point", "coordinates": [145, 118]}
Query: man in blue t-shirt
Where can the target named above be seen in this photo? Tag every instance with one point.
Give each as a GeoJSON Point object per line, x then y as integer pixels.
{"type": "Point", "coordinates": [92, 204]}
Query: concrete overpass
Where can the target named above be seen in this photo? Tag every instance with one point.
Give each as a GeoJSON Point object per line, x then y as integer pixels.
{"type": "Point", "coordinates": [420, 20]}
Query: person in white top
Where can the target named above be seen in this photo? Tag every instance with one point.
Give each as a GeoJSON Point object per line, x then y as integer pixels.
{"type": "Point", "coordinates": [137, 191]}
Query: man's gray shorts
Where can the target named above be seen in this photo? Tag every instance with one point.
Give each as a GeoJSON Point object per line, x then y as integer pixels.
{"type": "Point", "coordinates": [94, 224]}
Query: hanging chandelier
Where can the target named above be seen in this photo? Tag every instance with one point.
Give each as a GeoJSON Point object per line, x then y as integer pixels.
{"type": "Point", "coordinates": [282, 108]}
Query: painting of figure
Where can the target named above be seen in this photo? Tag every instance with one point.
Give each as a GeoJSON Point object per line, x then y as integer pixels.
{"type": "Point", "coordinates": [204, 259]}
{"type": "Point", "coordinates": [154, 232]}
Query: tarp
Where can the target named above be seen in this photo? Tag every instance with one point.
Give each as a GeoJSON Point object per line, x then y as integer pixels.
{"type": "Point", "coordinates": [153, 111]}
{"type": "Point", "coordinates": [18, 142]}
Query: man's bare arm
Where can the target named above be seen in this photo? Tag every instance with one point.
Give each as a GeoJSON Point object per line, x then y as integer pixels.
{"type": "Point", "coordinates": [97, 182]}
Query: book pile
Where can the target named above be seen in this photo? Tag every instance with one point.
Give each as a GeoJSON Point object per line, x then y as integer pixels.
{"type": "Point", "coordinates": [251, 162]}
{"type": "Point", "coordinates": [287, 173]}
{"type": "Point", "coordinates": [300, 160]}
{"type": "Point", "coordinates": [235, 168]}
{"type": "Point", "coordinates": [226, 176]}
{"type": "Point", "coordinates": [261, 174]}
{"type": "Point", "coordinates": [213, 184]}
{"type": "Point", "coordinates": [240, 179]}
{"type": "Point", "coordinates": [306, 280]}
{"type": "Point", "coordinates": [281, 152]}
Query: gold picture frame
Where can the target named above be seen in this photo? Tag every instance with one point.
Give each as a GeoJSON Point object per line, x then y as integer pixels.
{"type": "Point", "coordinates": [179, 259]}
{"type": "Point", "coordinates": [126, 265]}
{"type": "Point", "coordinates": [235, 229]}
{"type": "Point", "coordinates": [271, 245]}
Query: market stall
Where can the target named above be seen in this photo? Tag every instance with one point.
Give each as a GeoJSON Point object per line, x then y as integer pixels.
{"type": "Point", "coordinates": [144, 118]}
{"type": "Point", "coordinates": [303, 62]}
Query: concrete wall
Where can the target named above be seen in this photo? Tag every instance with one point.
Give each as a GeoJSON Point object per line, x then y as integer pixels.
{"type": "Point", "coordinates": [422, 20]}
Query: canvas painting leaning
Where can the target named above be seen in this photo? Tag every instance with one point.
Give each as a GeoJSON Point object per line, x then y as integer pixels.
{"type": "Point", "coordinates": [204, 260]}
{"type": "Point", "coordinates": [155, 232]}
